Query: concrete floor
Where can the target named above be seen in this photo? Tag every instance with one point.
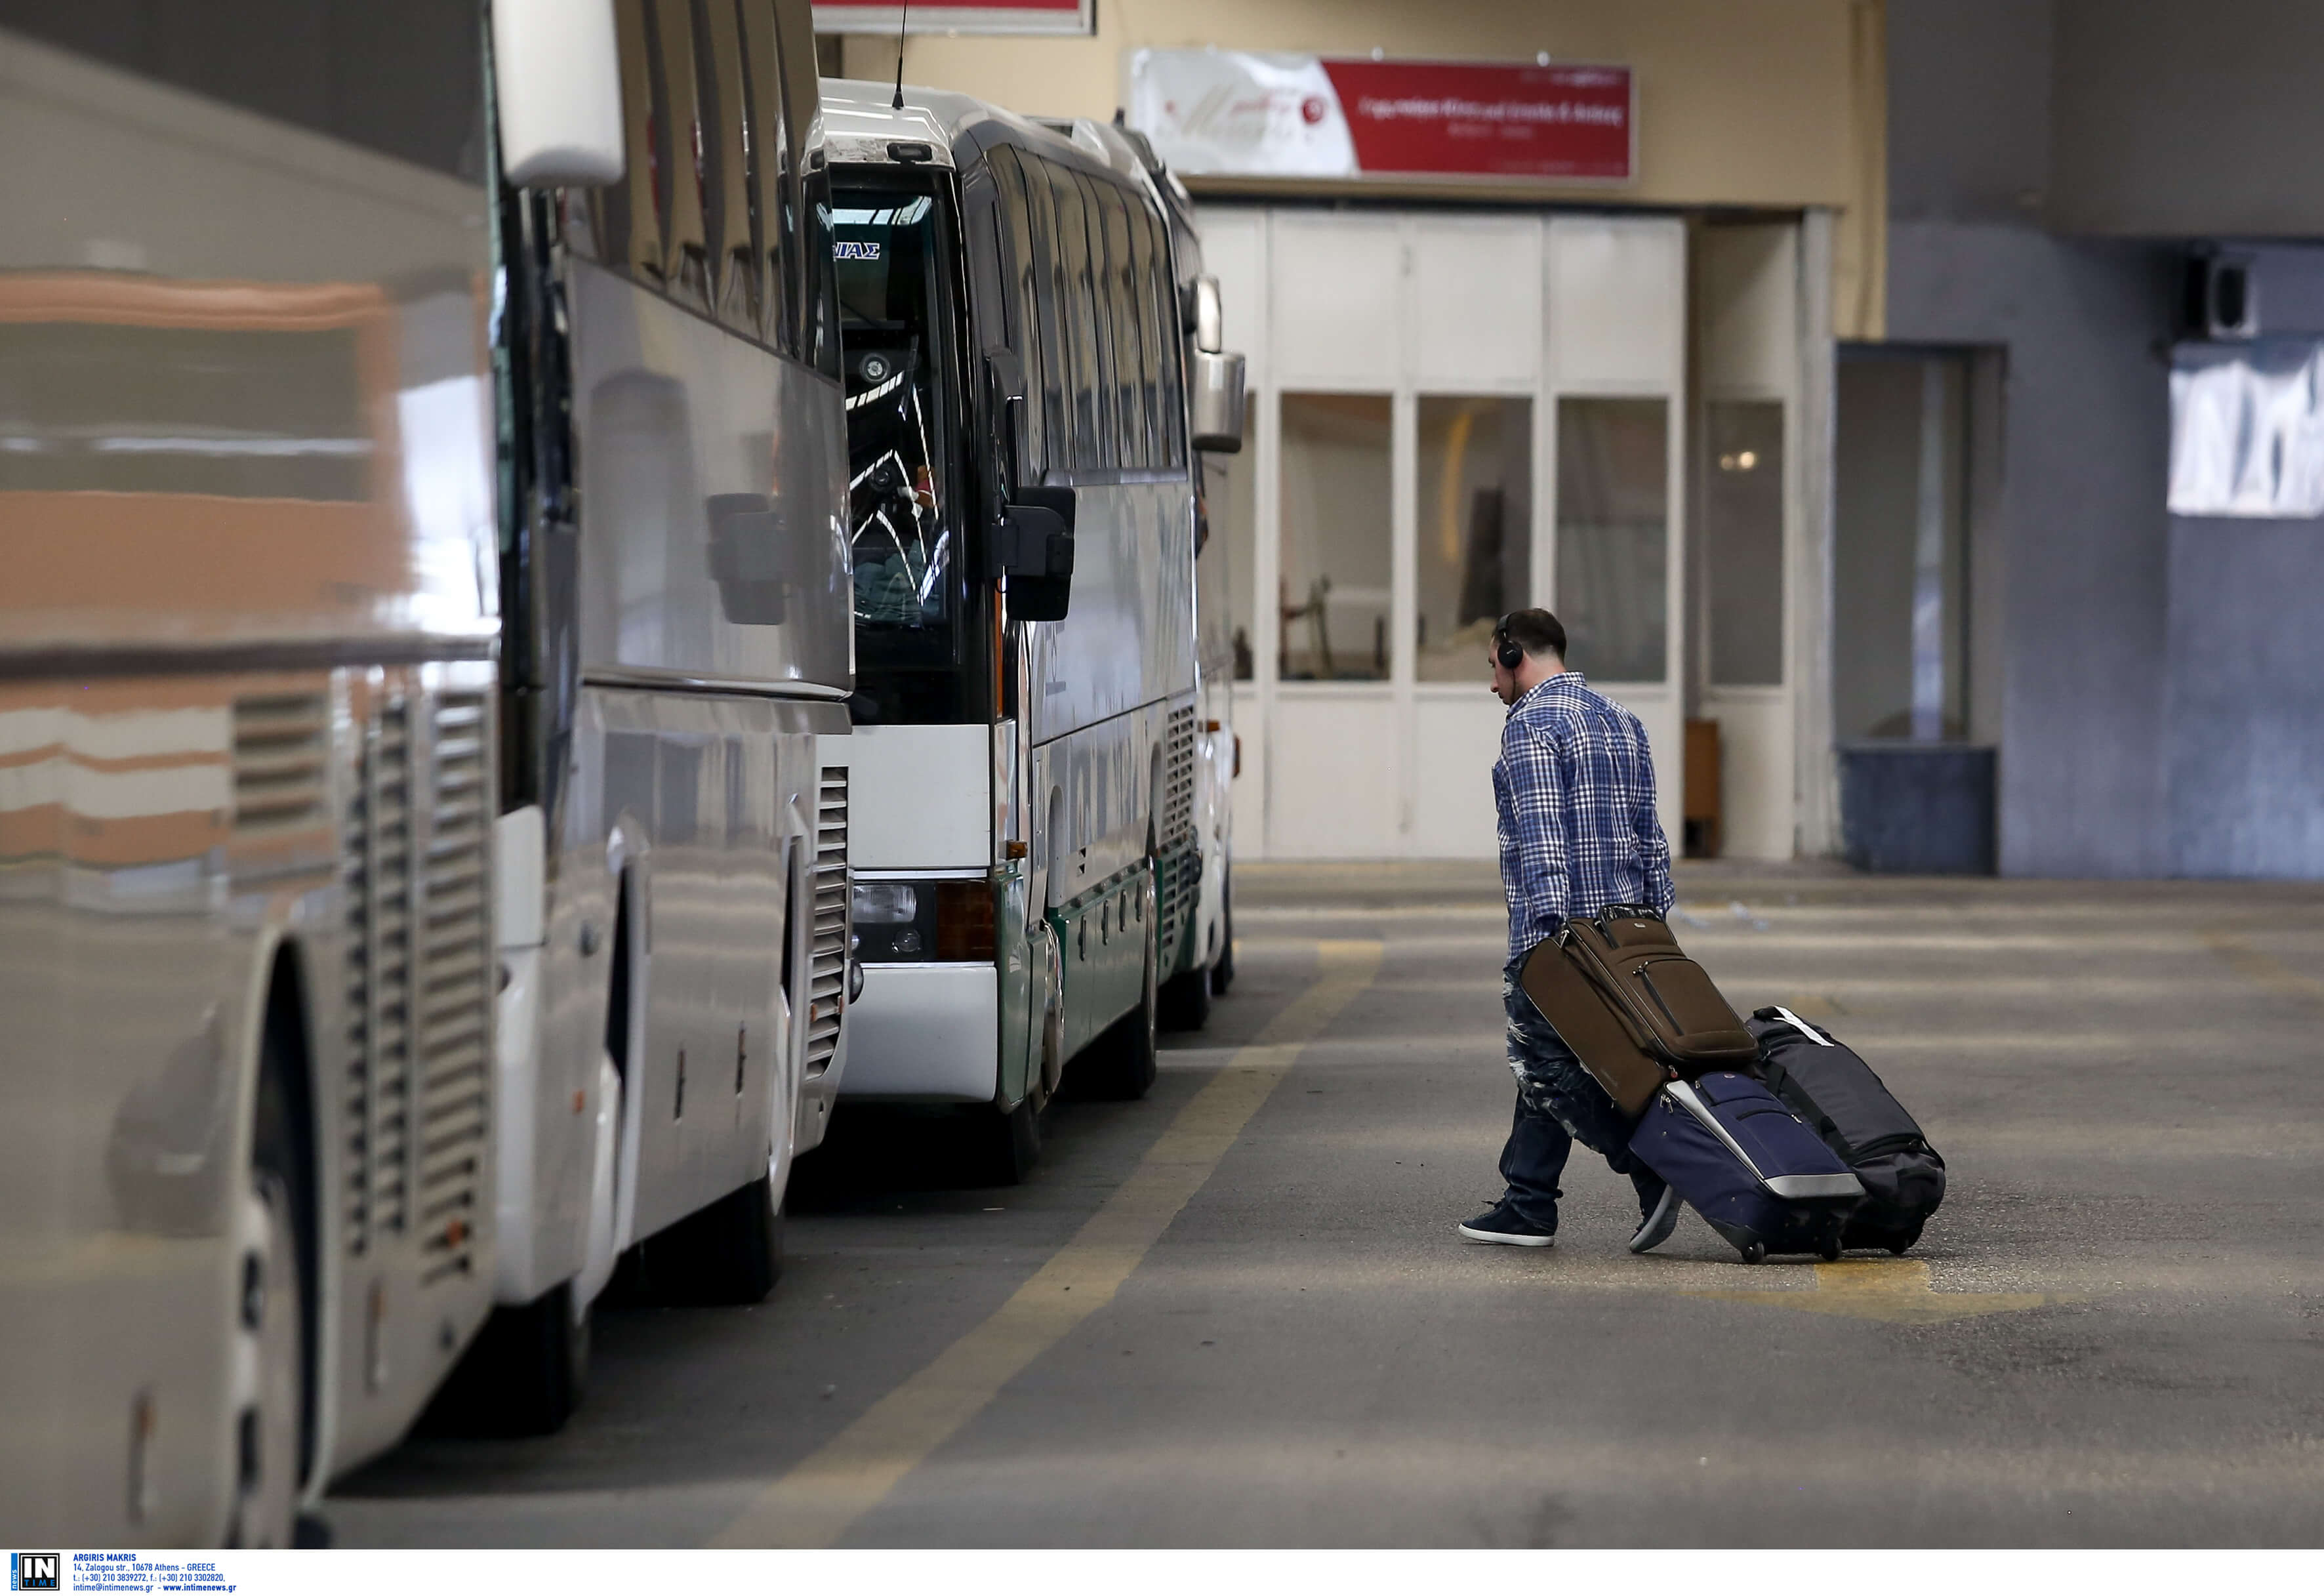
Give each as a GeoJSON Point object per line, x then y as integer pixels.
{"type": "Point", "coordinates": [2113, 1334]}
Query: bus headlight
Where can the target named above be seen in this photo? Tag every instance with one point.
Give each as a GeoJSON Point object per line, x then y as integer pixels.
{"type": "Point", "coordinates": [886, 903]}
{"type": "Point", "coordinates": [946, 922]}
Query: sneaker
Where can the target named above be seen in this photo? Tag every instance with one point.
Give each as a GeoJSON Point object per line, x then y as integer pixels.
{"type": "Point", "coordinates": [1659, 1222]}
{"type": "Point", "coordinates": [1503, 1224]}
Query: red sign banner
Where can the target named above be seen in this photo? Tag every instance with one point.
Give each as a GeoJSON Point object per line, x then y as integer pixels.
{"type": "Point", "coordinates": [1280, 115]}
{"type": "Point", "coordinates": [986, 16]}
{"type": "Point", "coordinates": [1486, 121]}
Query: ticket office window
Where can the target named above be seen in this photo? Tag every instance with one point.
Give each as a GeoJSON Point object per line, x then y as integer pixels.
{"type": "Point", "coordinates": [1475, 528]}
{"type": "Point", "coordinates": [1335, 590]}
{"type": "Point", "coordinates": [1613, 536]}
{"type": "Point", "coordinates": [1743, 540]}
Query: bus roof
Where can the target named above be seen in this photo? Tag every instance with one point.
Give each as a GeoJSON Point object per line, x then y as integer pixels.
{"type": "Point", "coordinates": [860, 121]}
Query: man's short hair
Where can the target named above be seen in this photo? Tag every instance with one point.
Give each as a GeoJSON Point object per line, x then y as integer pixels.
{"type": "Point", "coordinates": [1536, 631]}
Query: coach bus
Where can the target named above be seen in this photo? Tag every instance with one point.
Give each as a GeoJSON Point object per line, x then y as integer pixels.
{"type": "Point", "coordinates": [248, 768]}
{"type": "Point", "coordinates": [274, 828]}
{"type": "Point", "coordinates": [1014, 306]}
{"type": "Point", "coordinates": [677, 659]}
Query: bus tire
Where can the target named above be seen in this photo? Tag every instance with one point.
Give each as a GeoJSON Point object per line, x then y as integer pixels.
{"type": "Point", "coordinates": [1187, 1001]}
{"type": "Point", "coordinates": [524, 1375]}
{"type": "Point", "coordinates": [729, 1254]}
{"type": "Point", "coordinates": [1223, 968]}
{"type": "Point", "coordinates": [271, 1314]}
{"type": "Point", "coordinates": [1118, 1066]}
{"type": "Point", "coordinates": [1009, 1143]}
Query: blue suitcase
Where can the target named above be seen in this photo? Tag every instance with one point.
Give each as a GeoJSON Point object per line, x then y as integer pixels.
{"type": "Point", "coordinates": [1756, 1172]}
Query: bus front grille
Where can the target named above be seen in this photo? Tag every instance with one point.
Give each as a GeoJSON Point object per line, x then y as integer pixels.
{"type": "Point", "coordinates": [453, 996]}
{"type": "Point", "coordinates": [828, 969]}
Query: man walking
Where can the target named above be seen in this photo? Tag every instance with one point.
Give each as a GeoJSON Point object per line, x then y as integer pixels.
{"type": "Point", "coordinates": [1574, 788]}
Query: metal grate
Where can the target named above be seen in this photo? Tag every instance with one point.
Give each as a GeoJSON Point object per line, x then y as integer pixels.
{"type": "Point", "coordinates": [377, 1105]}
{"type": "Point", "coordinates": [1177, 877]}
{"type": "Point", "coordinates": [453, 984]}
{"type": "Point", "coordinates": [1177, 824]}
{"type": "Point", "coordinates": [281, 763]}
{"type": "Point", "coordinates": [827, 968]}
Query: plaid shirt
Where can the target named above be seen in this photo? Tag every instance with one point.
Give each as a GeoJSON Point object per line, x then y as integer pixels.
{"type": "Point", "coordinates": [1574, 788]}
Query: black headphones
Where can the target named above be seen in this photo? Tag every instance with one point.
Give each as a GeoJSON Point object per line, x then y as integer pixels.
{"type": "Point", "coordinates": [1506, 648]}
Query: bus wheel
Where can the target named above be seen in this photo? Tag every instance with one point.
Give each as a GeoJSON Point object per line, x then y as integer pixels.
{"type": "Point", "coordinates": [1009, 1143]}
{"type": "Point", "coordinates": [1222, 970]}
{"type": "Point", "coordinates": [270, 1344]}
{"type": "Point", "coordinates": [728, 1254]}
{"type": "Point", "coordinates": [1187, 1001]}
{"type": "Point", "coordinates": [522, 1376]}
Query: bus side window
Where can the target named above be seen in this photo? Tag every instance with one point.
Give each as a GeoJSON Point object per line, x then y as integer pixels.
{"type": "Point", "coordinates": [981, 211]}
{"type": "Point", "coordinates": [1169, 386]}
{"type": "Point", "coordinates": [726, 189]}
{"type": "Point", "coordinates": [1093, 328]}
{"type": "Point", "coordinates": [685, 251]}
{"type": "Point", "coordinates": [1075, 314]}
{"type": "Point", "coordinates": [629, 214]}
{"type": "Point", "coordinates": [1149, 338]}
{"type": "Point", "coordinates": [1046, 266]}
{"type": "Point", "coordinates": [818, 290]}
{"type": "Point", "coordinates": [772, 180]}
{"type": "Point", "coordinates": [1134, 427]}
{"type": "Point", "coordinates": [1017, 260]}
{"type": "Point", "coordinates": [981, 224]}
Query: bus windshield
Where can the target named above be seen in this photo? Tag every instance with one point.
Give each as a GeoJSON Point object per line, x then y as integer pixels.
{"type": "Point", "coordinates": [886, 247]}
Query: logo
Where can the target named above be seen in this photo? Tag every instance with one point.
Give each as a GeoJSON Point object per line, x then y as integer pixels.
{"type": "Point", "coordinates": [34, 1570]}
{"type": "Point", "coordinates": [855, 249]}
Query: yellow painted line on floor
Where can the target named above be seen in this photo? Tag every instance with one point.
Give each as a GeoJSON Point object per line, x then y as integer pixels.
{"type": "Point", "coordinates": [2269, 971]}
{"type": "Point", "coordinates": [1894, 1291]}
{"type": "Point", "coordinates": [815, 1503]}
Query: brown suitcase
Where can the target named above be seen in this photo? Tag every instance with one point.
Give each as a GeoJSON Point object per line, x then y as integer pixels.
{"type": "Point", "coordinates": [1580, 1014]}
{"type": "Point", "coordinates": [1633, 1007]}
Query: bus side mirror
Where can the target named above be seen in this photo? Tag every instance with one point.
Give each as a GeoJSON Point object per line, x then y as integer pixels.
{"type": "Point", "coordinates": [1207, 320]}
{"type": "Point", "coordinates": [1215, 402]}
{"type": "Point", "coordinates": [1033, 547]}
{"type": "Point", "coordinates": [557, 75]}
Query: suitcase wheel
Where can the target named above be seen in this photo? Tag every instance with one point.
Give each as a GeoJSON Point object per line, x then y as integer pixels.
{"type": "Point", "coordinates": [1828, 1250]}
{"type": "Point", "coordinates": [1900, 1244]}
{"type": "Point", "coordinates": [1757, 1252]}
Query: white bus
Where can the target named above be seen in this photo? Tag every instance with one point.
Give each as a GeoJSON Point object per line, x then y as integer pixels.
{"type": "Point", "coordinates": [1015, 307]}
{"type": "Point", "coordinates": [263, 782]}
{"type": "Point", "coordinates": [247, 753]}
{"type": "Point", "coordinates": [674, 853]}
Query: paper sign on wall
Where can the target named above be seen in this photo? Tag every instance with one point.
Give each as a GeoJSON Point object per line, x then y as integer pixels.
{"type": "Point", "coordinates": [1249, 113]}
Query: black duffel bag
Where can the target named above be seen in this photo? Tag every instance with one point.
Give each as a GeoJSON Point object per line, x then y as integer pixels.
{"type": "Point", "coordinates": [1822, 1080]}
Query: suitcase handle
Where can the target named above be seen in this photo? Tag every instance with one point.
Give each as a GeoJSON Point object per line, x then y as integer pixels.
{"type": "Point", "coordinates": [1607, 915]}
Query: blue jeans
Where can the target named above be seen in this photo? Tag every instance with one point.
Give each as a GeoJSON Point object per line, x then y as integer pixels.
{"type": "Point", "coordinates": [1558, 1104]}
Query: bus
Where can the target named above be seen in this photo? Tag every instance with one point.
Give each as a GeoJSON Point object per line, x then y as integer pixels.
{"type": "Point", "coordinates": [1019, 367]}
{"type": "Point", "coordinates": [674, 849]}
{"type": "Point", "coordinates": [380, 833]}
{"type": "Point", "coordinates": [248, 755]}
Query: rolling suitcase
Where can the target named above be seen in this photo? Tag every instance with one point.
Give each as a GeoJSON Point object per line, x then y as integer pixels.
{"type": "Point", "coordinates": [1633, 1007]}
{"type": "Point", "coordinates": [1824, 1083]}
{"type": "Point", "coordinates": [1584, 1020]}
{"type": "Point", "coordinates": [1754, 1170]}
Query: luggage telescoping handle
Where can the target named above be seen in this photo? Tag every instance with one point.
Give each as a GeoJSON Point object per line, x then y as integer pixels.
{"type": "Point", "coordinates": [1606, 917]}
